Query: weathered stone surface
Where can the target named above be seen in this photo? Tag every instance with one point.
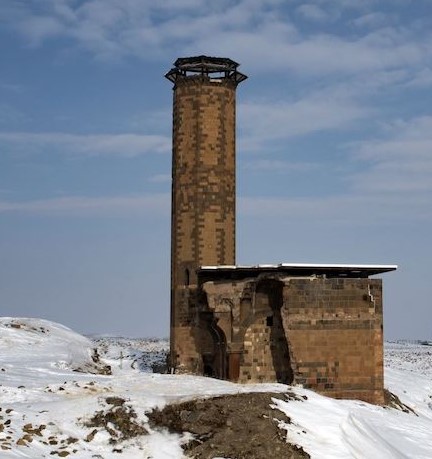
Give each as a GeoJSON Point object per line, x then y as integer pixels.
{"type": "Point", "coordinates": [325, 334]}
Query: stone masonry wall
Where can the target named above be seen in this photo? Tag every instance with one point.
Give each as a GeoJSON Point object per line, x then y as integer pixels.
{"type": "Point", "coordinates": [335, 338]}
{"type": "Point", "coordinates": [265, 353]}
{"type": "Point", "coordinates": [325, 334]}
{"type": "Point", "coordinates": [265, 356]}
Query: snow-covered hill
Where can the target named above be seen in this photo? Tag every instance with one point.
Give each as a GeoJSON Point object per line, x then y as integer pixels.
{"type": "Point", "coordinates": [54, 401]}
{"type": "Point", "coordinates": [142, 354]}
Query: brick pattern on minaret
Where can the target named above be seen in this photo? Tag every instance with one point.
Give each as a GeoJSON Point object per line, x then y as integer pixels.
{"type": "Point", "coordinates": [203, 197]}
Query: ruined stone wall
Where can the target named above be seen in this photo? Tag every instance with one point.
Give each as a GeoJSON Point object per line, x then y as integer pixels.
{"type": "Point", "coordinates": [265, 357]}
{"type": "Point", "coordinates": [325, 334]}
{"type": "Point", "coordinates": [203, 198]}
{"type": "Point", "coordinates": [265, 354]}
{"type": "Point", "coordinates": [335, 337]}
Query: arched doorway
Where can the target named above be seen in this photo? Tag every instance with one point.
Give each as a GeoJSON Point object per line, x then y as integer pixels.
{"type": "Point", "coordinates": [213, 348]}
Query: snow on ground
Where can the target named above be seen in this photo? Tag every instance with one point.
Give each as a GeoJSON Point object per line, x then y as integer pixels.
{"type": "Point", "coordinates": [142, 354]}
{"type": "Point", "coordinates": [406, 355]}
{"type": "Point", "coordinates": [333, 429]}
{"type": "Point", "coordinates": [45, 404]}
{"type": "Point", "coordinates": [330, 429]}
{"type": "Point", "coordinates": [49, 396]}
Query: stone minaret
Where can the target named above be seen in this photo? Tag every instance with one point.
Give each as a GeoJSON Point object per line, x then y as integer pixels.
{"type": "Point", "coordinates": [203, 188]}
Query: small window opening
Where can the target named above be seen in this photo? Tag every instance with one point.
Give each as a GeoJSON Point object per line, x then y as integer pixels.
{"type": "Point", "coordinates": [270, 321]}
{"type": "Point", "coordinates": [187, 277]}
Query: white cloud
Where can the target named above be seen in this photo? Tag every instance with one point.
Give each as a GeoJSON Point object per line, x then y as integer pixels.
{"type": "Point", "coordinates": [320, 54]}
{"type": "Point", "coordinates": [259, 33]}
{"type": "Point", "coordinates": [113, 28]}
{"type": "Point", "coordinates": [128, 145]}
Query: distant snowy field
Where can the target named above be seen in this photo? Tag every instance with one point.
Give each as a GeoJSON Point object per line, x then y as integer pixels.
{"type": "Point", "coordinates": [410, 356]}
{"type": "Point", "coordinates": [141, 354]}
{"type": "Point", "coordinates": [53, 402]}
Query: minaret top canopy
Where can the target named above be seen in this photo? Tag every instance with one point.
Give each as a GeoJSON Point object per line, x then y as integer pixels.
{"type": "Point", "coordinates": [211, 67]}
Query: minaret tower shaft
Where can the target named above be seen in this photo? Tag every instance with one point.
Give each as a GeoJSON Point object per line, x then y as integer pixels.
{"type": "Point", "coordinates": [203, 187]}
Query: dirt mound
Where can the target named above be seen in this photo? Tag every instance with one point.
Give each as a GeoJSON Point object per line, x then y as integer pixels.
{"type": "Point", "coordinates": [119, 420]}
{"type": "Point", "coordinates": [241, 426]}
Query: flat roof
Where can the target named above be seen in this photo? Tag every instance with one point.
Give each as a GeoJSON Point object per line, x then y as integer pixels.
{"type": "Point", "coordinates": [295, 269]}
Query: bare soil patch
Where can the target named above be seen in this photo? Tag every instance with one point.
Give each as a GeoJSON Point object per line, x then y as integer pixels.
{"type": "Point", "coordinates": [119, 420]}
{"type": "Point", "coordinates": [240, 426]}
{"type": "Point", "coordinates": [393, 401]}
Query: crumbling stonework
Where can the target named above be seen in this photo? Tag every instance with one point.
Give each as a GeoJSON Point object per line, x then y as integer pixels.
{"type": "Point", "coordinates": [323, 333]}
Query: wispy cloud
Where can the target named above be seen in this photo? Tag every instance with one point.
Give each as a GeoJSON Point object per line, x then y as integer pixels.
{"type": "Point", "coordinates": [349, 210]}
{"type": "Point", "coordinates": [11, 87]}
{"type": "Point", "coordinates": [128, 145]}
{"type": "Point", "coordinates": [9, 114]}
{"type": "Point", "coordinates": [313, 12]}
{"type": "Point", "coordinates": [153, 121]}
{"type": "Point", "coordinates": [392, 183]}
{"type": "Point", "coordinates": [373, 20]}
{"type": "Point", "coordinates": [260, 122]}
{"type": "Point", "coordinates": [315, 55]}
{"type": "Point", "coordinates": [160, 178]}
{"type": "Point", "coordinates": [279, 166]}
{"type": "Point", "coordinates": [422, 79]}
{"type": "Point", "coordinates": [73, 206]}
{"type": "Point", "coordinates": [260, 33]}
{"type": "Point", "coordinates": [400, 162]}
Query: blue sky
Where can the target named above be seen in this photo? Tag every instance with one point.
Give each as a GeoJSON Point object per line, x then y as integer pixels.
{"type": "Point", "coordinates": [334, 148]}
